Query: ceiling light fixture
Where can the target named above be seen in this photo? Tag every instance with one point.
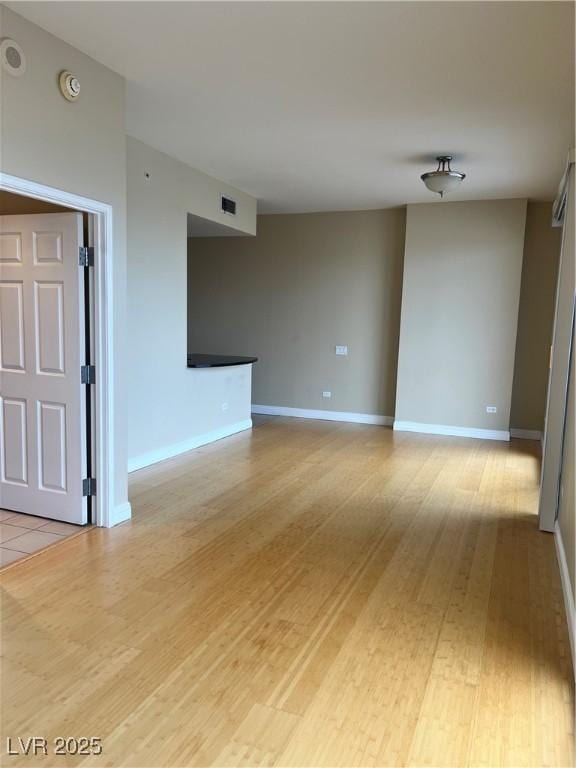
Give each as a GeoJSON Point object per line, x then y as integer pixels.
{"type": "Point", "coordinates": [443, 179]}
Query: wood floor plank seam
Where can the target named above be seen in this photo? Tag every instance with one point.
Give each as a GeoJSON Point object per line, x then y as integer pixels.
{"type": "Point", "coordinates": [324, 627]}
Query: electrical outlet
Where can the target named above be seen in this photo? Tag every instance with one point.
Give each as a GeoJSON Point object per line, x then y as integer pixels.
{"type": "Point", "coordinates": [341, 349]}
{"type": "Point", "coordinates": [327, 395]}
{"type": "Point", "coordinates": [224, 406]}
{"type": "Point", "coordinates": [491, 409]}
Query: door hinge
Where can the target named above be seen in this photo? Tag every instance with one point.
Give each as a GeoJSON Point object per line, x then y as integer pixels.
{"type": "Point", "coordinates": [86, 256]}
{"type": "Point", "coordinates": [87, 374]}
{"type": "Point", "coordinates": [89, 486]}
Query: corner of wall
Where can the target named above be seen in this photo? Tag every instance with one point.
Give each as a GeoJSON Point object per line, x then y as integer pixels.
{"type": "Point", "coordinates": [120, 514]}
{"type": "Point", "coordinates": [567, 593]}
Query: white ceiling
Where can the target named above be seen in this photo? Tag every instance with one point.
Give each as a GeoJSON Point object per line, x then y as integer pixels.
{"type": "Point", "coordinates": [341, 105]}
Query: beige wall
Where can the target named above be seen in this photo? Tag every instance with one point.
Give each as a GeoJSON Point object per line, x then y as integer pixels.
{"type": "Point", "coordinates": [462, 270]}
{"type": "Point", "coordinates": [306, 283]}
{"type": "Point", "coordinates": [171, 405]}
{"type": "Point", "coordinates": [535, 318]}
{"type": "Point", "coordinates": [76, 147]}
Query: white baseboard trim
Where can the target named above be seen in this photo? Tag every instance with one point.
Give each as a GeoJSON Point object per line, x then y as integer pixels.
{"type": "Point", "coordinates": [120, 514]}
{"type": "Point", "coordinates": [306, 413]}
{"type": "Point", "coordinates": [526, 434]}
{"type": "Point", "coordinates": [443, 429]}
{"type": "Point", "coordinates": [153, 457]}
{"type": "Point", "coordinates": [567, 591]}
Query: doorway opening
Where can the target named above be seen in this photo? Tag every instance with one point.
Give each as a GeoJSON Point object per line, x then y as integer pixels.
{"type": "Point", "coordinates": [89, 463]}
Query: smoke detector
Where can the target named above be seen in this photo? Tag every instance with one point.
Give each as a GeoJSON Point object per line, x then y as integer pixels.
{"type": "Point", "coordinates": [69, 85]}
{"type": "Point", "coordinates": [12, 57]}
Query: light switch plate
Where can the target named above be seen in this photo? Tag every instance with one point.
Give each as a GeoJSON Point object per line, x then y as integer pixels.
{"type": "Point", "coordinates": [327, 395]}
{"type": "Point", "coordinates": [491, 409]}
{"type": "Point", "coordinates": [341, 349]}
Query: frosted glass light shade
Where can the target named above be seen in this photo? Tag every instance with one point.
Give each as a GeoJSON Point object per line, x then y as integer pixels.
{"type": "Point", "coordinates": [443, 179]}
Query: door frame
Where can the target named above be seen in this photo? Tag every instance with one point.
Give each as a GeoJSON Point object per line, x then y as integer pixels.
{"type": "Point", "coordinates": [551, 466]}
{"type": "Point", "coordinates": [103, 511]}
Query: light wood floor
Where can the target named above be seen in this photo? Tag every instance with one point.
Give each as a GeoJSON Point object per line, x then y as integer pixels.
{"type": "Point", "coordinates": [313, 594]}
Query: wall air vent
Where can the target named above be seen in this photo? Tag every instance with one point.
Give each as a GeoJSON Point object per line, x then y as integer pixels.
{"type": "Point", "coordinates": [228, 205]}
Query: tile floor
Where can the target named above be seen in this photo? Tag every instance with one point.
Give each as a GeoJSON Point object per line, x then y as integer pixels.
{"type": "Point", "coordinates": [21, 535]}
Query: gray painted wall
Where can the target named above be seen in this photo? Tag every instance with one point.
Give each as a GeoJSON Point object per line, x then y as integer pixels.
{"type": "Point", "coordinates": [462, 270]}
{"type": "Point", "coordinates": [306, 283]}
{"type": "Point", "coordinates": [310, 281]}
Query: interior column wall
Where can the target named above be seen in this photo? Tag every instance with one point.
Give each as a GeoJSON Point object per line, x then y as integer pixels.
{"type": "Point", "coordinates": [461, 289]}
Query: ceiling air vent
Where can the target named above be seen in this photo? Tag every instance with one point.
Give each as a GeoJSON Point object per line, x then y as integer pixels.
{"type": "Point", "coordinates": [228, 205]}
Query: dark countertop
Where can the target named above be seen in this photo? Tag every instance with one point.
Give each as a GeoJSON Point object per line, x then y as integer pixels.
{"type": "Point", "coordinates": [217, 361]}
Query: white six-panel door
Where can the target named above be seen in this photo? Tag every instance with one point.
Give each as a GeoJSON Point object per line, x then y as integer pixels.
{"type": "Point", "coordinates": [42, 403]}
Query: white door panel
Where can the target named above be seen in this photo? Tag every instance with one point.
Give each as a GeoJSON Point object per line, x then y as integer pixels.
{"type": "Point", "coordinates": [12, 326]}
{"type": "Point", "coordinates": [14, 434]}
{"type": "Point", "coordinates": [51, 438]}
{"type": "Point", "coordinates": [47, 247]}
{"type": "Point", "coordinates": [43, 440]}
{"type": "Point", "coordinates": [10, 247]}
{"type": "Point", "coordinates": [49, 331]}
